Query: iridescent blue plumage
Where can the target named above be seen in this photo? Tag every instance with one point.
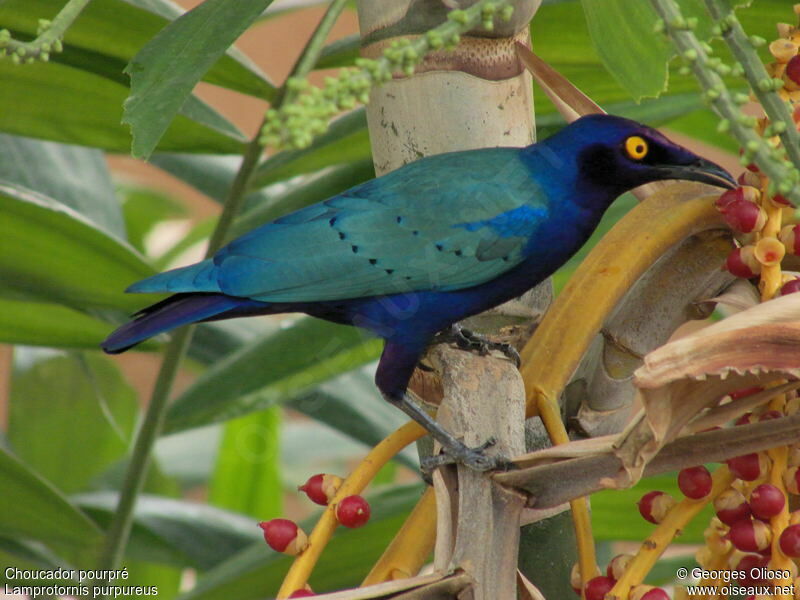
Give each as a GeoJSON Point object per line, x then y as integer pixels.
{"type": "Point", "coordinates": [410, 253]}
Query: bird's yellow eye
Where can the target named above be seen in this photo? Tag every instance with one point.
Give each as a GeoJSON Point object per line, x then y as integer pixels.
{"type": "Point", "coordinates": [636, 147]}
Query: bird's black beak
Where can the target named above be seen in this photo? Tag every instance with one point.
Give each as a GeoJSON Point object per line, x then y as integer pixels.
{"type": "Point", "coordinates": [701, 170]}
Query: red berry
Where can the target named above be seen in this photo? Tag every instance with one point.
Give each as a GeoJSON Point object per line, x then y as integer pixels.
{"type": "Point", "coordinates": [727, 198]}
{"type": "Point", "coordinates": [695, 482]}
{"type": "Point", "coordinates": [731, 506]}
{"type": "Point", "coordinates": [766, 501]}
{"type": "Point", "coordinates": [770, 415]}
{"type": "Point", "coordinates": [353, 511]}
{"type": "Point", "coordinates": [654, 594]}
{"type": "Point", "coordinates": [746, 564]}
{"type": "Point", "coordinates": [598, 587]}
{"type": "Point", "coordinates": [790, 239]}
{"type": "Point", "coordinates": [790, 541]}
{"type": "Point", "coordinates": [781, 200]}
{"type": "Point", "coordinates": [747, 467]}
{"type": "Point", "coordinates": [655, 505]}
{"type": "Point", "coordinates": [742, 263]}
{"type": "Point", "coordinates": [790, 287]}
{"type": "Point", "coordinates": [302, 594]}
{"type": "Point", "coordinates": [749, 178]}
{"type": "Point", "coordinates": [793, 69]}
{"type": "Point", "coordinates": [748, 391]}
{"type": "Point", "coordinates": [321, 488]}
{"type": "Point", "coordinates": [285, 536]}
{"type": "Point", "coordinates": [750, 536]}
{"type": "Point", "coordinates": [745, 216]}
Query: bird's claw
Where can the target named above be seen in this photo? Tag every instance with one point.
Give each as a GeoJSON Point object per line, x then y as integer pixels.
{"type": "Point", "coordinates": [468, 340]}
{"type": "Point", "coordinates": [474, 458]}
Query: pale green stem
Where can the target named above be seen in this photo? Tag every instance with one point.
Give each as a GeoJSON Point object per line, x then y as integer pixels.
{"type": "Point", "coordinates": [49, 39]}
{"type": "Point", "coordinates": [742, 49]}
{"type": "Point", "coordinates": [721, 100]}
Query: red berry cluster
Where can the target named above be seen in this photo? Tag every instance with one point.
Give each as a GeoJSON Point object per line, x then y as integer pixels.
{"type": "Point", "coordinates": [285, 536]}
{"type": "Point", "coordinates": [598, 587]}
{"type": "Point", "coordinates": [787, 62]}
{"type": "Point", "coordinates": [743, 210]}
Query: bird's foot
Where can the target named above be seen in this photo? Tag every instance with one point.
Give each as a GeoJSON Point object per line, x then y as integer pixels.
{"type": "Point", "coordinates": [474, 458]}
{"type": "Point", "coordinates": [455, 451]}
{"type": "Point", "coordinates": [468, 340]}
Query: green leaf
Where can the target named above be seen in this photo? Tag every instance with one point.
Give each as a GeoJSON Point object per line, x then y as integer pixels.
{"type": "Point", "coordinates": [702, 125]}
{"type": "Point", "coordinates": [209, 174]}
{"type": "Point", "coordinates": [352, 405]}
{"type": "Point", "coordinates": [164, 72]}
{"type": "Point", "coordinates": [622, 33]}
{"type": "Point", "coordinates": [345, 141]}
{"type": "Point", "coordinates": [257, 571]}
{"type": "Point", "coordinates": [178, 532]}
{"type": "Point", "coordinates": [58, 102]}
{"type": "Point", "coordinates": [108, 33]}
{"type": "Point", "coordinates": [247, 476]}
{"type": "Point", "coordinates": [298, 194]}
{"type": "Point", "coordinates": [77, 177]}
{"type": "Point", "coordinates": [608, 505]}
{"type": "Point", "coordinates": [153, 576]}
{"type": "Point", "coordinates": [271, 369]}
{"type": "Point", "coordinates": [51, 253]}
{"type": "Point", "coordinates": [189, 456]}
{"type": "Point", "coordinates": [143, 208]}
{"type": "Point", "coordinates": [31, 507]}
{"type": "Point", "coordinates": [47, 324]}
{"type": "Point", "coordinates": [340, 53]}
{"type": "Point", "coordinates": [50, 388]}
{"type": "Point", "coordinates": [26, 555]}
{"type": "Point", "coordinates": [198, 236]}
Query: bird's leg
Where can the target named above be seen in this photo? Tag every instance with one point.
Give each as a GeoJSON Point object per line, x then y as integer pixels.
{"type": "Point", "coordinates": [466, 339]}
{"type": "Point", "coordinates": [397, 363]}
{"type": "Point", "coordinates": [456, 451]}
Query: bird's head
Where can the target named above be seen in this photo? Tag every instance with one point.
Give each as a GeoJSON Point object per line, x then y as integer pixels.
{"type": "Point", "coordinates": [616, 154]}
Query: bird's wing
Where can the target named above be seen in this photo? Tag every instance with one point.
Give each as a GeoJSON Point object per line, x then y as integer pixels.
{"type": "Point", "coordinates": [421, 229]}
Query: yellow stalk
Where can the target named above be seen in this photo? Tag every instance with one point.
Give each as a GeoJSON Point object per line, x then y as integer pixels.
{"type": "Point", "coordinates": [601, 281]}
{"type": "Point", "coordinates": [664, 533]}
{"type": "Point", "coordinates": [301, 568]}
{"type": "Point", "coordinates": [412, 545]}
{"type": "Point", "coordinates": [779, 522]}
{"type": "Point", "coordinates": [619, 259]}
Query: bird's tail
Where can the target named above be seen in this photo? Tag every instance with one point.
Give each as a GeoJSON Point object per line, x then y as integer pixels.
{"type": "Point", "coordinates": [177, 310]}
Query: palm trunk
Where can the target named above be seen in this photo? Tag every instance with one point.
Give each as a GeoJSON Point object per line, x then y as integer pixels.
{"type": "Point", "coordinates": [477, 95]}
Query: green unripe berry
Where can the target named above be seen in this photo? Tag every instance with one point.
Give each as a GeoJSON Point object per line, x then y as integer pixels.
{"type": "Point", "coordinates": [765, 85]}
{"type": "Point", "coordinates": [678, 23]}
{"type": "Point", "coordinates": [458, 16]}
